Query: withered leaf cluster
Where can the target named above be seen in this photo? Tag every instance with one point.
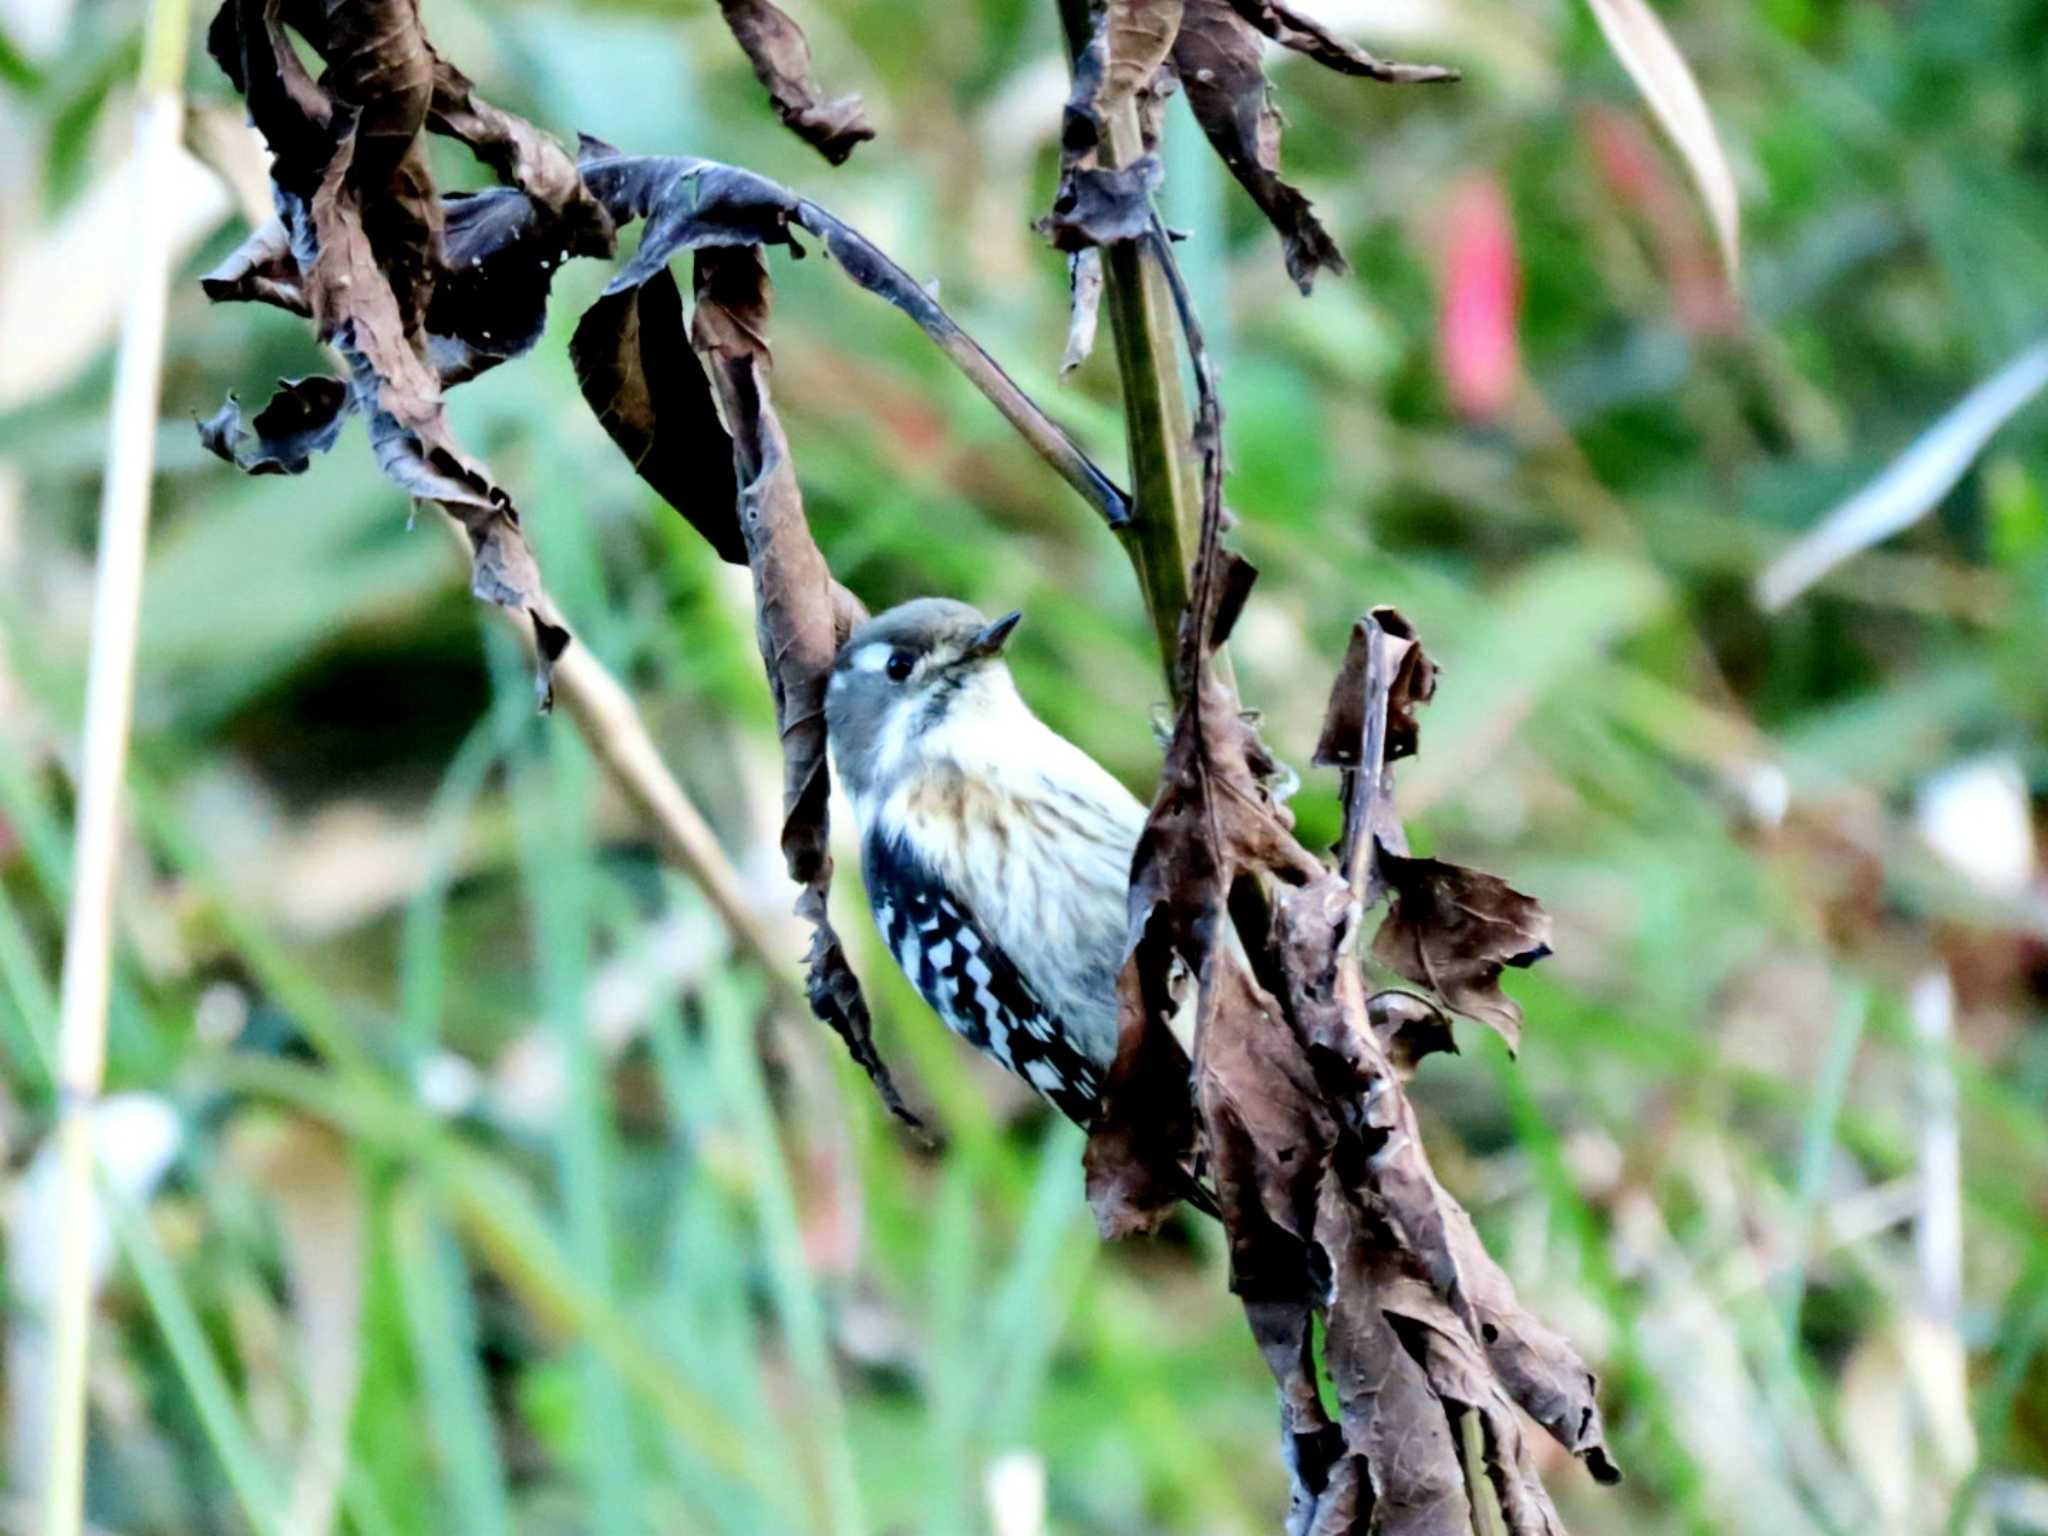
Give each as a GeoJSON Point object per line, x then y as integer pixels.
{"type": "Point", "coordinates": [413, 293]}
{"type": "Point", "coordinates": [1299, 1117]}
{"type": "Point", "coordinates": [1138, 54]}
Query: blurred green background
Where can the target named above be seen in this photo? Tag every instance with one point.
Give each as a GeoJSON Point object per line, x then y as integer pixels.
{"type": "Point", "coordinates": [503, 1201]}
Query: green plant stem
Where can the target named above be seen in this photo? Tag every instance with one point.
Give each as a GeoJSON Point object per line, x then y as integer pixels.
{"type": "Point", "coordinates": [1159, 537]}
{"type": "Point", "coordinates": [109, 708]}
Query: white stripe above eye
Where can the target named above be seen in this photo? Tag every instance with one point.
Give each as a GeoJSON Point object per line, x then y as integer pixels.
{"type": "Point", "coordinates": [872, 657]}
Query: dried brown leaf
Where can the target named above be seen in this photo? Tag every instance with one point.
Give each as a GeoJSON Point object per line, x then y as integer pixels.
{"type": "Point", "coordinates": [690, 204]}
{"type": "Point", "coordinates": [1211, 819]}
{"type": "Point", "coordinates": [1220, 63]}
{"type": "Point", "coordinates": [1268, 1136]}
{"type": "Point", "coordinates": [1393, 1419]}
{"type": "Point", "coordinates": [781, 57]}
{"type": "Point", "coordinates": [1409, 684]}
{"type": "Point", "coordinates": [1454, 929]}
{"type": "Point", "coordinates": [633, 360]}
{"type": "Point", "coordinates": [1122, 61]}
{"type": "Point", "coordinates": [1101, 201]}
{"type": "Point", "coordinates": [1140, 1159]}
{"type": "Point", "coordinates": [1369, 723]}
{"type": "Point", "coordinates": [1219, 58]}
{"type": "Point", "coordinates": [1409, 1028]}
{"type": "Point", "coordinates": [797, 613]}
{"type": "Point", "coordinates": [490, 302]}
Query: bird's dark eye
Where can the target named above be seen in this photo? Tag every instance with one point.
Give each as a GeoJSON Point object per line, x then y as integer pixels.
{"type": "Point", "coordinates": [900, 664]}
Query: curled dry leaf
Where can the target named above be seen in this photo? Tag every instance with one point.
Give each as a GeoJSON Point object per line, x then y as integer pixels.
{"type": "Point", "coordinates": [523, 157]}
{"type": "Point", "coordinates": [490, 302]}
{"type": "Point", "coordinates": [1138, 38]}
{"type": "Point", "coordinates": [1454, 929]}
{"type": "Point", "coordinates": [1409, 1028]}
{"type": "Point", "coordinates": [1096, 205]}
{"type": "Point", "coordinates": [261, 270]}
{"type": "Point", "coordinates": [1412, 685]}
{"type": "Point", "coordinates": [302, 419]}
{"type": "Point", "coordinates": [781, 56]}
{"type": "Point", "coordinates": [796, 614]}
{"type": "Point", "coordinates": [1358, 737]}
{"type": "Point", "coordinates": [1450, 929]}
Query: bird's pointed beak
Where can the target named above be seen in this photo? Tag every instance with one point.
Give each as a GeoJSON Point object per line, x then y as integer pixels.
{"type": "Point", "coordinates": [988, 641]}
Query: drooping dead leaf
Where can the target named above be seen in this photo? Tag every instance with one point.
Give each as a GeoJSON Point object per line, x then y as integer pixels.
{"type": "Point", "coordinates": [781, 57]}
{"type": "Point", "coordinates": [633, 360]}
{"type": "Point", "coordinates": [796, 615]}
{"type": "Point", "coordinates": [490, 301]}
{"type": "Point", "coordinates": [1454, 929]}
{"type": "Point", "coordinates": [692, 204]}
{"type": "Point", "coordinates": [1219, 60]}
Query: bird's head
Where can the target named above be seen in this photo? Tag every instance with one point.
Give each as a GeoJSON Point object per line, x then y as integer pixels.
{"type": "Point", "coordinates": [907, 675]}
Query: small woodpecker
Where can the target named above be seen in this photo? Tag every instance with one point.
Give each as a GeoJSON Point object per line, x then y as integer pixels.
{"type": "Point", "coordinates": [996, 853]}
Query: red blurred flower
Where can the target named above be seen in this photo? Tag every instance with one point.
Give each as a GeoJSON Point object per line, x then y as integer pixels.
{"type": "Point", "coordinates": [1478, 349]}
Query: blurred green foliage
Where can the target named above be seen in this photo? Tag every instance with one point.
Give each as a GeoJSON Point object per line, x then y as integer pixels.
{"type": "Point", "coordinates": [636, 1252]}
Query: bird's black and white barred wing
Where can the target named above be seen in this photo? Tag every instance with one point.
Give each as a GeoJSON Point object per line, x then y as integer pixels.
{"type": "Point", "coordinates": [970, 983]}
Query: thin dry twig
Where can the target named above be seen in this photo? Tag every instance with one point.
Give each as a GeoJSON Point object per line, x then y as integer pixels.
{"type": "Point", "coordinates": [614, 729]}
